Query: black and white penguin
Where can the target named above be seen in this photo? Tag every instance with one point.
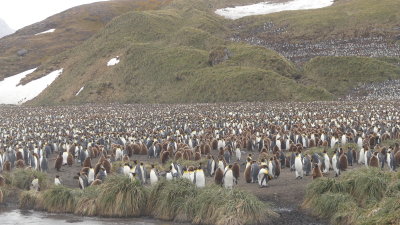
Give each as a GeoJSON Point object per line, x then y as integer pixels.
{"type": "Point", "coordinates": [298, 164]}
{"type": "Point", "coordinates": [255, 169]}
{"type": "Point", "coordinates": [263, 176]}
{"type": "Point", "coordinates": [200, 180]}
{"type": "Point", "coordinates": [361, 156]}
{"type": "Point", "coordinates": [390, 160]}
{"type": "Point", "coordinates": [211, 165]}
{"type": "Point", "coordinates": [335, 163]}
{"type": "Point", "coordinates": [44, 166]}
{"type": "Point", "coordinates": [57, 180]}
{"type": "Point", "coordinates": [307, 165]}
{"type": "Point", "coordinates": [229, 180]}
{"type": "Point", "coordinates": [153, 175]}
{"type": "Point", "coordinates": [327, 163]}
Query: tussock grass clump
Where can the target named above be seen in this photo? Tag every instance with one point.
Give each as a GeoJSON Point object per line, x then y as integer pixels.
{"type": "Point", "coordinates": [167, 198]}
{"type": "Point", "coordinates": [59, 199]}
{"type": "Point", "coordinates": [86, 203]}
{"type": "Point", "coordinates": [22, 179]}
{"type": "Point", "coordinates": [1, 196]}
{"type": "Point", "coordinates": [367, 193]}
{"type": "Point", "coordinates": [30, 200]}
{"type": "Point", "coordinates": [120, 197]}
{"type": "Point", "coordinates": [216, 205]}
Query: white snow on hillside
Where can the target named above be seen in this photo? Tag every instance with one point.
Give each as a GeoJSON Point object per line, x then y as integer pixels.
{"type": "Point", "coordinates": [80, 90]}
{"type": "Point", "coordinates": [267, 8]}
{"type": "Point", "coordinates": [113, 61]}
{"type": "Point", "coordinates": [45, 32]}
{"type": "Point", "coordinates": [10, 93]}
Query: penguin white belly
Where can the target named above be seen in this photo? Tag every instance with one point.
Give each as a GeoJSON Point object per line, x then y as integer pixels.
{"type": "Point", "coordinates": [221, 165]}
{"type": "Point", "coordinates": [213, 164]}
{"type": "Point", "coordinates": [261, 174]}
{"type": "Point", "coordinates": [327, 163]}
{"type": "Point", "coordinates": [298, 164]}
{"type": "Point", "coordinates": [344, 140]}
{"type": "Point", "coordinates": [65, 156]}
{"type": "Point", "coordinates": [361, 158]}
{"type": "Point", "coordinates": [126, 170]}
{"type": "Point", "coordinates": [91, 176]}
{"type": "Point", "coordinates": [153, 177]}
{"type": "Point", "coordinates": [200, 179]}
{"type": "Point", "coordinates": [186, 175]}
{"type": "Point", "coordinates": [334, 165]}
{"type": "Point", "coordinates": [238, 154]}
{"type": "Point", "coordinates": [169, 176]}
{"type": "Point", "coordinates": [228, 179]}
{"type": "Point", "coordinates": [366, 159]}
{"type": "Point", "coordinates": [118, 154]}
{"type": "Point", "coordinates": [360, 142]}
{"type": "Point", "coordinates": [57, 181]}
{"type": "Point", "coordinates": [191, 176]}
{"type": "Point", "coordinates": [270, 168]}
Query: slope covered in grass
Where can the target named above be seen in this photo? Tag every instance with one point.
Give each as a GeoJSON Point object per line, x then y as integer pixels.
{"type": "Point", "coordinates": [165, 57]}
{"type": "Point", "coordinates": [339, 74]}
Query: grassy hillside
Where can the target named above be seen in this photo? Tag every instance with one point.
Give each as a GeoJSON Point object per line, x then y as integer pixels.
{"type": "Point", "coordinates": [180, 53]}
{"type": "Point", "coordinates": [344, 19]}
{"type": "Point", "coordinates": [165, 57]}
{"type": "Point", "coordinates": [339, 74]}
{"type": "Point", "coordinates": [73, 27]}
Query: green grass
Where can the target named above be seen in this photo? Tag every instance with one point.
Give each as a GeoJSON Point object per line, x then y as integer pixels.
{"type": "Point", "coordinates": [340, 74]}
{"type": "Point", "coordinates": [366, 193]}
{"type": "Point", "coordinates": [120, 197]}
{"type": "Point", "coordinates": [59, 199]}
{"type": "Point", "coordinates": [22, 179]}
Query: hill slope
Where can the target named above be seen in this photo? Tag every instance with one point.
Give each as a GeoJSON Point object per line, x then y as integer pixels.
{"type": "Point", "coordinates": [183, 52]}
{"type": "Point", "coordinates": [172, 55]}
{"type": "Point", "coordinates": [25, 49]}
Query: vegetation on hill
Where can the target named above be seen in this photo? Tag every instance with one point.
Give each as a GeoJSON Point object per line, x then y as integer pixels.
{"type": "Point", "coordinates": [72, 27]}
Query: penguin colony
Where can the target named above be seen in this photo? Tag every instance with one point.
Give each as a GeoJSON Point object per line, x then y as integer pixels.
{"type": "Point", "coordinates": [256, 140]}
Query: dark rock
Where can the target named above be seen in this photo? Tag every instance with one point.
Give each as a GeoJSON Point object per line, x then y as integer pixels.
{"type": "Point", "coordinates": [219, 55]}
{"type": "Point", "coordinates": [22, 52]}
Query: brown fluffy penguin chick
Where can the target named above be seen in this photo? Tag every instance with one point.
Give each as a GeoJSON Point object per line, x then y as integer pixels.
{"type": "Point", "coordinates": [20, 164]}
{"type": "Point", "coordinates": [247, 174]}
{"type": "Point", "coordinates": [219, 175]}
{"type": "Point", "coordinates": [221, 151]}
{"type": "Point", "coordinates": [164, 157]}
{"type": "Point", "coordinates": [178, 155]}
{"type": "Point", "coordinates": [97, 168]}
{"type": "Point", "coordinates": [343, 162]}
{"type": "Point", "coordinates": [136, 149]}
{"type": "Point", "coordinates": [19, 155]}
{"type": "Point", "coordinates": [1, 196]}
{"type": "Point", "coordinates": [316, 171]}
{"type": "Point", "coordinates": [207, 149]}
{"type": "Point", "coordinates": [374, 162]}
{"type": "Point", "coordinates": [70, 159]}
{"type": "Point", "coordinates": [214, 144]}
{"type": "Point", "coordinates": [397, 158]}
{"type": "Point", "coordinates": [7, 166]}
{"type": "Point", "coordinates": [125, 158]}
{"type": "Point", "coordinates": [236, 170]}
{"type": "Point", "coordinates": [197, 156]}
{"type": "Point", "coordinates": [143, 150]}
{"type": "Point", "coordinates": [277, 167]}
{"type": "Point", "coordinates": [2, 181]}
{"type": "Point", "coordinates": [96, 182]}
{"type": "Point", "coordinates": [58, 162]}
{"type": "Point", "coordinates": [87, 162]}
{"type": "Point", "coordinates": [107, 166]}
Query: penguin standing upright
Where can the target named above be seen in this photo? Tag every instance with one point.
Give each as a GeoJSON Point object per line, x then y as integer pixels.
{"type": "Point", "coordinates": [335, 164]}
{"type": "Point", "coordinates": [236, 172]}
{"type": "Point", "coordinates": [211, 166]}
{"type": "Point", "coordinates": [44, 167]}
{"type": "Point", "coordinates": [200, 178]}
{"type": "Point", "coordinates": [35, 184]}
{"type": "Point", "coordinates": [374, 161]}
{"type": "Point", "coordinates": [126, 169]}
{"type": "Point", "coordinates": [298, 164]}
{"type": "Point", "coordinates": [255, 169]}
{"type": "Point", "coordinates": [228, 178]}
{"type": "Point", "coordinates": [57, 181]}
{"type": "Point", "coordinates": [316, 171]}
{"type": "Point", "coordinates": [307, 165]}
{"type": "Point", "coordinates": [327, 162]}
{"type": "Point", "coordinates": [367, 157]}
{"type": "Point", "coordinates": [361, 156]}
{"type": "Point", "coordinates": [91, 175]}
{"type": "Point", "coordinates": [263, 176]}
{"type": "Point", "coordinates": [65, 158]}
{"type": "Point", "coordinates": [350, 157]}
{"type": "Point", "coordinates": [238, 154]}
{"type": "Point", "coordinates": [343, 162]}
{"type": "Point", "coordinates": [390, 160]}
{"type": "Point", "coordinates": [247, 172]}
{"type": "Point", "coordinates": [58, 162]}
{"type": "Point", "coordinates": [153, 175]}
{"type": "Point", "coordinates": [219, 176]}
{"type": "Point", "coordinates": [169, 175]}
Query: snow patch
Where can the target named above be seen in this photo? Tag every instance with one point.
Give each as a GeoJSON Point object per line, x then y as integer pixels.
{"type": "Point", "coordinates": [10, 93]}
{"type": "Point", "coordinates": [267, 8]}
{"type": "Point", "coordinates": [45, 32]}
{"type": "Point", "coordinates": [80, 90]}
{"type": "Point", "coordinates": [113, 61]}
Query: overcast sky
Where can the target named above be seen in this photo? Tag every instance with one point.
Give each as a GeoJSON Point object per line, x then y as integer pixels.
{"type": "Point", "coordinates": [20, 13]}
